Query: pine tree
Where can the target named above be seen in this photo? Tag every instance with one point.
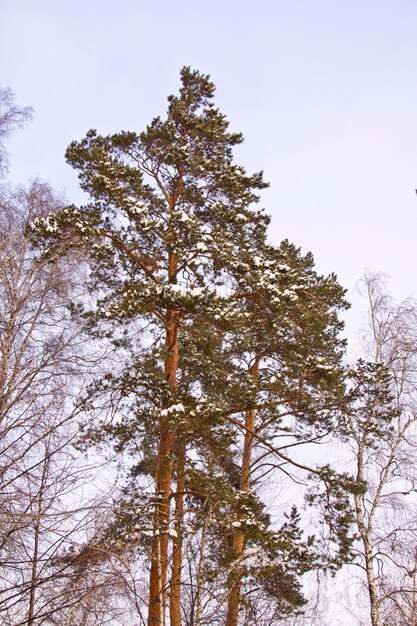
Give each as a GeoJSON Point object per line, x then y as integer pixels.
{"type": "Point", "coordinates": [222, 334]}
{"type": "Point", "coordinates": [165, 214]}
{"type": "Point", "coordinates": [290, 355]}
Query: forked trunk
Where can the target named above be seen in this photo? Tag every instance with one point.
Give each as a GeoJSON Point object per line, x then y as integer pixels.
{"type": "Point", "coordinates": [235, 578]}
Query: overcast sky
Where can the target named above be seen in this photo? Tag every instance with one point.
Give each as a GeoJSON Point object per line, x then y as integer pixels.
{"type": "Point", "coordinates": [325, 92]}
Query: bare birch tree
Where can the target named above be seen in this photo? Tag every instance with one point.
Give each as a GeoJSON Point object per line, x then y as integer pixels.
{"type": "Point", "coordinates": [381, 428]}
{"type": "Point", "coordinates": [41, 509]}
{"type": "Point", "coordinates": [11, 117]}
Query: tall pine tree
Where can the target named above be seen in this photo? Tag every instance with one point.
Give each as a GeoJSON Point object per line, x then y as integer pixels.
{"type": "Point", "coordinates": [164, 216]}
{"type": "Point", "coordinates": [231, 334]}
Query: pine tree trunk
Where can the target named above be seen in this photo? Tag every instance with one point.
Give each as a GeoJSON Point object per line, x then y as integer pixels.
{"type": "Point", "coordinates": [175, 586]}
{"type": "Point", "coordinates": [167, 439]}
{"type": "Point", "coordinates": [235, 582]}
{"type": "Point", "coordinates": [200, 570]}
{"type": "Point", "coordinates": [235, 578]}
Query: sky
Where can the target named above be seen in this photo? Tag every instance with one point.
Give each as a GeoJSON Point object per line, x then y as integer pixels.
{"type": "Point", "coordinates": [324, 91]}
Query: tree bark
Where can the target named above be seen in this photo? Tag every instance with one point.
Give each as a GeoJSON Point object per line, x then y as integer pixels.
{"type": "Point", "coordinates": [175, 586]}
{"type": "Point", "coordinates": [167, 439]}
{"type": "Point", "coordinates": [235, 578]}
{"type": "Point", "coordinates": [200, 569]}
{"type": "Point", "coordinates": [37, 524]}
{"type": "Point", "coordinates": [365, 531]}
{"type": "Point", "coordinates": [34, 574]}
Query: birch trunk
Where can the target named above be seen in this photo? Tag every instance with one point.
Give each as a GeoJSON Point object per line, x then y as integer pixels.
{"type": "Point", "coordinates": [34, 574]}
{"type": "Point", "coordinates": [37, 528]}
{"type": "Point", "coordinates": [365, 531]}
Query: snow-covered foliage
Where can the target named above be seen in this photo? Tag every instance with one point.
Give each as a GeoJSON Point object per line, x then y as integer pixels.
{"type": "Point", "coordinates": [224, 336]}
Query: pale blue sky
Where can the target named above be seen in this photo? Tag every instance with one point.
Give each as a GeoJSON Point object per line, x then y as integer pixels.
{"type": "Point", "coordinates": [325, 92]}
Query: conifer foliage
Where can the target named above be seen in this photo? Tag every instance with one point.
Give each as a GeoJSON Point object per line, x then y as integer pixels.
{"type": "Point", "coordinates": [226, 343]}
